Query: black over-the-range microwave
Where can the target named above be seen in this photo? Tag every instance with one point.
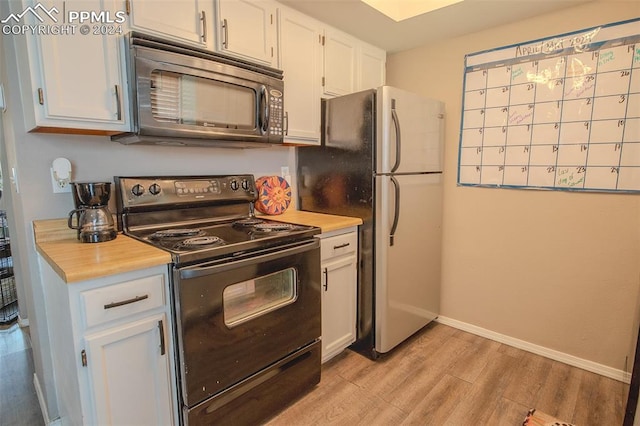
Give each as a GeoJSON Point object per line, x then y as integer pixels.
{"type": "Point", "coordinates": [186, 96]}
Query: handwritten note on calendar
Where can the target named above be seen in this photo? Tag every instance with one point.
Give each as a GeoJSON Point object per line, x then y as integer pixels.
{"type": "Point", "coordinates": [559, 113]}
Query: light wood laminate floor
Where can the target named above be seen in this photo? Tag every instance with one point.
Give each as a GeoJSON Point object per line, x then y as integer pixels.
{"type": "Point", "coordinates": [18, 401]}
{"type": "Point", "coordinates": [441, 377]}
{"type": "Point", "coordinates": [446, 377]}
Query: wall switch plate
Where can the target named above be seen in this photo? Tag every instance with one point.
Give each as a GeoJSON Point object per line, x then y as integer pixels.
{"type": "Point", "coordinates": [59, 186]}
{"type": "Point", "coordinates": [284, 171]}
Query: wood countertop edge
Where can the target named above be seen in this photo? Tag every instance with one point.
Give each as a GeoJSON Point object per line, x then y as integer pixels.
{"type": "Point", "coordinates": [74, 261]}
{"type": "Point", "coordinates": [326, 222]}
{"type": "Point", "coordinates": [43, 252]}
{"type": "Point", "coordinates": [67, 269]}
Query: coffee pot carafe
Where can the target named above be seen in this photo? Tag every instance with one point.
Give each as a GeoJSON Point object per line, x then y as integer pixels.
{"type": "Point", "coordinates": [94, 221]}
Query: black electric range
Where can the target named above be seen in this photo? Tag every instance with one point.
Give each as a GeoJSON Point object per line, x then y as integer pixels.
{"type": "Point", "coordinates": [199, 218]}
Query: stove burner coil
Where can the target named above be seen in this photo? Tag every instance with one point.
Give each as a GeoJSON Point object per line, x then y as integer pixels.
{"type": "Point", "coordinates": [248, 222]}
{"type": "Point", "coordinates": [176, 233]}
{"type": "Point", "coordinates": [269, 227]}
{"type": "Point", "coordinates": [202, 241]}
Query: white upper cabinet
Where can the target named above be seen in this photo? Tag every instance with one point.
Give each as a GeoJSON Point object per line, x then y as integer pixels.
{"type": "Point", "coordinates": [371, 67]}
{"type": "Point", "coordinates": [73, 80]}
{"type": "Point", "coordinates": [350, 65]}
{"type": "Point", "coordinates": [320, 61]}
{"type": "Point", "coordinates": [189, 21]}
{"type": "Point", "coordinates": [247, 29]}
{"type": "Point", "coordinates": [340, 63]}
{"type": "Point", "coordinates": [301, 62]}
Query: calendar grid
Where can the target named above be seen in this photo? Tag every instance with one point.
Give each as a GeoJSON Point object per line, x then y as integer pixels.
{"type": "Point", "coordinates": [561, 113]}
{"type": "Point", "coordinates": [627, 114]}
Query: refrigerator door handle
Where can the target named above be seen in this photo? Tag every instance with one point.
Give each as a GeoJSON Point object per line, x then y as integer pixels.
{"type": "Point", "coordinates": [396, 125]}
{"type": "Point", "coordinates": [396, 211]}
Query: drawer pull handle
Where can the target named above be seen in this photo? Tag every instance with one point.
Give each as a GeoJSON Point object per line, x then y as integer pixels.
{"type": "Point", "coordinates": [125, 302]}
{"type": "Point", "coordinates": [341, 246]}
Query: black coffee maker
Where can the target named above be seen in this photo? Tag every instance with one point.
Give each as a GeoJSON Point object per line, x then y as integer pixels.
{"type": "Point", "coordinates": [94, 221]}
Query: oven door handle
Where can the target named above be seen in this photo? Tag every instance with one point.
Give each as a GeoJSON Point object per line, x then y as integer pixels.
{"type": "Point", "coordinates": [247, 259]}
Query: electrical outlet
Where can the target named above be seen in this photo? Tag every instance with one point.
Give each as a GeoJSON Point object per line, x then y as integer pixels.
{"type": "Point", "coordinates": [284, 171]}
{"type": "Point", "coordinates": [59, 186]}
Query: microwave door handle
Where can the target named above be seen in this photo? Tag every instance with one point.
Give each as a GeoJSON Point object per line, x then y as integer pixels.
{"type": "Point", "coordinates": [264, 111]}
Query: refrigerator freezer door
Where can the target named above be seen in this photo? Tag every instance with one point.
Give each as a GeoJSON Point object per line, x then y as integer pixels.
{"type": "Point", "coordinates": [415, 125]}
{"type": "Point", "coordinates": [407, 272]}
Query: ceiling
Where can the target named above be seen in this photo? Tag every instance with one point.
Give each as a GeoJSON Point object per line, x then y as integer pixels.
{"type": "Point", "coordinates": [362, 21]}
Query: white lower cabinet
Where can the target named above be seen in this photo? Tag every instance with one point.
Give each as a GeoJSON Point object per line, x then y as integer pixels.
{"type": "Point", "coordinates": [112, 349]}
{"type": "Point", "coordinates": [339, 262]}
{"type": "Point", "coordinates": [129, 374]}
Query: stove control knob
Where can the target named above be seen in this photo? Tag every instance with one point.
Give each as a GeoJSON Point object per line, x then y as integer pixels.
{"type": "Point", "coordinates": [234, 185]}
{"type": "Point", "coordinates": [137, 190]}
{"type": "Point", "coordinates": [155, 189]}
{"type": "Point", "coordinates": [245, 184]}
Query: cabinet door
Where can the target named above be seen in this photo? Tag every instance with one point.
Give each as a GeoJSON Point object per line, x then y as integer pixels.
{"type": "Point", "coordinates": [338, 305]}
{"type": "Point", "coordinates": [340, 55]}
{"type": "Point", "coordinates": [183, 20]}
{"type": "Point", "coordinates": [78, 80]}
{"type": "Point", "coordinates": [129, 373]}
{"type": "Point", "coordinates": [300, 59]}
{"type": "Point", "coordinates": [372, 67]}
{"type": "Point", "coordinates": [247, 29]}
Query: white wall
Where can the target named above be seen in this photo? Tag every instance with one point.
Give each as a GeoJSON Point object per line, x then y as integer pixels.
{"type": "Point", "coordinates": [555, 269]}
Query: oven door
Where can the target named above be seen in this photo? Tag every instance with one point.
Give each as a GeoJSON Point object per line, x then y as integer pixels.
{"type": "Point", "coordinates": [235, 318]}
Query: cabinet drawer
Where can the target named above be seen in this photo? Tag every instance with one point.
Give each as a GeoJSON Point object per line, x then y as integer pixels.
{"type": "Point", "coordinates": [118, 301]}
{"type": "Point", "coordinates": [339, 245]}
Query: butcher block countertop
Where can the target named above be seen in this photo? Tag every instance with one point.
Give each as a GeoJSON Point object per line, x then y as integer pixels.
{"type": "Point", "coordinates": [326, 222]}
{"type": "Point", "coordinates": [75, 261]}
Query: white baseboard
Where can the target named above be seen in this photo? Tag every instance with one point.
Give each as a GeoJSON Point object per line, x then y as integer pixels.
{"type": "Point", "coordinates": [23, 322]}
{"type": "Point", "coordinates": [43, 404]}
{"type": "Point", "coordinates": [574, 361]}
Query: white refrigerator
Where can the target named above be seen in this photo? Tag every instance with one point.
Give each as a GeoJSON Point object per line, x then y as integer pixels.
{"type": "Point", "coordinates": [381, 160]}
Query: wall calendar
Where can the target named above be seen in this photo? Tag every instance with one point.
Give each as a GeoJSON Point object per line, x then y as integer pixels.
{"type": "Point", "coordinates": [559, 113]}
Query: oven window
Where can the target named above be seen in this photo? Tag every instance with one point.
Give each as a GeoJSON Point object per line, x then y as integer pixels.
{"type": "Point", "coordinates": [186, 99]}
{"type": "Point", "coordinates": [253, 298]}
